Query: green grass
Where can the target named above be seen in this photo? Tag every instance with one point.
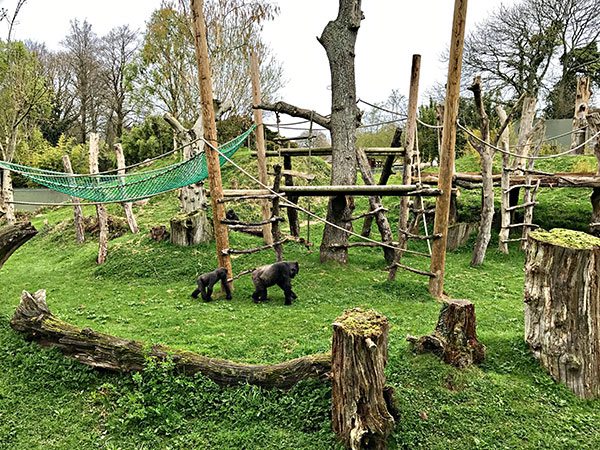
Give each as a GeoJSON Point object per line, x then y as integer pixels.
{"type": "Point", "coordinates": [143, 292]}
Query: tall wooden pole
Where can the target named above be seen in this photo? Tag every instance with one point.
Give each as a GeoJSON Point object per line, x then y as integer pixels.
{"type": "Point", "coordinates": [260, 143]}
{"type": "Point", "coordinates": [77, 211]}
{"type": "Point", "coordinates": [210, 135]}
{"type": "Point", "coordinates": [447, 151]}
{"type": "Point", "coordinates": [411, 133]}
{"type": "Point", "coordinates": [100, 209]}
{"type": "Point", "coordinates": [127, 207]}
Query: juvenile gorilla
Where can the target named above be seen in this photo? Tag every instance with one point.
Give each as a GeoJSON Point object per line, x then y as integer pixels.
{"type": "Point", "coordinates": [206, 281]}
{"type": "Point", "coordinates": [279, 274]}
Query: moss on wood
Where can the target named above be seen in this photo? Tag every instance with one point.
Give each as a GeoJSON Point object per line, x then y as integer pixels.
{"type": "Point", "coordinates": [567, 238]}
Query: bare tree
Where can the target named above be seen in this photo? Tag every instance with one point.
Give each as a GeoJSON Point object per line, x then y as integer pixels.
{"type": "Point", "coordinates": [82, 47]}
{"type": "Point", "coordinates": [117, 52]}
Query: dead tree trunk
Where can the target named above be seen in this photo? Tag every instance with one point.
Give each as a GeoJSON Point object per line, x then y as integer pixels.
{"type": "Point", "coordinates": [594, 123]}
{"type": "Point", "coordinates": [34, 319]}
{"type": "Point", "coordinates": [582, 100]}
{"type": "Point", "coordinates": [375, 204]}
{"type": "Point", "coordinates": [12, 237]}
{"type": "Point", "coordinates": [361, 418]}
{"type": "Point", "coordinates": [193, 226]}
{"type": "Point", "coordinates": [127, 207]}
{"type": "Point", "coordinates": [525, 131]}
{"type": "Point", "coordinates": [100, 209]}
{"type": "Point", "coordinates": [338, 39]}
{"type": "Point", "coordinates": [386, 172]}
{"type": "Point", "coordinates": [7, 194]}
{"type": "Point", "coordinates": [292, 213]}
{"type": "Point", "coordinates": [455, 337]}
{"type": "Point", "coordinates": [562, 307]}
{"type": "Point", "coordinates": [487, 191]}
{"type": "Point", "coordinates": [77, 211]}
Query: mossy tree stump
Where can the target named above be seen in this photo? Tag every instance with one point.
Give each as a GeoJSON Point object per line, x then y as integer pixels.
{"type": "Point", "coordinates": [359, 354]}
{"type": "Point", "coordinates": [562, 307]}
{"type": "Point", "coordinates": [455, 337]}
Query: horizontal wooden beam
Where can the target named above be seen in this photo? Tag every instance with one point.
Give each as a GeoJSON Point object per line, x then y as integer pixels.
{"type": "Point", "coordinates": [388, 190]}
{"type": "Point", "coordinates": [326, 151]}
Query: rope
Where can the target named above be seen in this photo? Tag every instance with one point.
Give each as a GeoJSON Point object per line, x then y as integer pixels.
{"type": "Point", "coordinates": [516, 155]}
{"type": "Point", "coordinates": [300, 208]}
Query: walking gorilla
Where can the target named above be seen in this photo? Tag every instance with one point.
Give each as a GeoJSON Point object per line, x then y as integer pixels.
{"type": "Point", "coordinates": [206, 281]}
{"type": "Point", "coordinates": [279, 274]}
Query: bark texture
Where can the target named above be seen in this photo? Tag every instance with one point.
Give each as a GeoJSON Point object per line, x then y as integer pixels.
{"type": "Point", "coordinates": [34, 319]}
{"type": "Point", "coordinates": [459, 234]}
{"type": "Point", "coordinates": [582, 100]}
{"type": "Point", "coordinates": [77, 210]}
{"type": "Point", "coordinates": [455, 337]}
{"type": "Point", "coordinates": [193, 198]}
{"type": "Point", "coordinates": [338, 39]}
{"type": "Point", "coordinates": [191, 229]}
{"type": "Point", "coordinates": [100, 209]}
{"type": "Point", "coordinates": [127, 207]}
{"type": "Point", "coordinates": [562, 307]}
{"type": "Point", "coordinates": [487, 192]}
{"type": "Point", "coordinates": [361, 418]}
{"type": "Point", "coordinates": [12, 237]}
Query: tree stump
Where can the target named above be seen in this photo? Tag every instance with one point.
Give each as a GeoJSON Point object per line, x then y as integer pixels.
{"type": "Point", "coordinates": [191, 229]}
{"type": "Point", "coordinates": [361, 418]}
{"type": "Point", "coordinates": [562, 307]}
{"type": "Point", "coordinates": [455, 337]}
{"type": "Point", "coordinates": [12, 237]}
{"type": "Point", "coordinates": [459, 234]}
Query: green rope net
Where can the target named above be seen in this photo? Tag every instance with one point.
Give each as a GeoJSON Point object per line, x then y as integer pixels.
{"type": "Point", "coordinates": [115, 188]}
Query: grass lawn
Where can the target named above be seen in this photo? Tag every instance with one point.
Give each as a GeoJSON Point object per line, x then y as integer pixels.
{"type": "Point", "coordinates": [143, 293]}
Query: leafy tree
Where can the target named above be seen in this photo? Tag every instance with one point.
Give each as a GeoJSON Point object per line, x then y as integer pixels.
{"type": "Point", "coordinates": [25, 100]}
{"type": "Point", "coordinates": [151, 138]}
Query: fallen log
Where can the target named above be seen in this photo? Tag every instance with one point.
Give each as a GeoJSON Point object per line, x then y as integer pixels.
{"type": "Point", "coordinates": [12, 237]}
{"type": "Point", "coordinates": [103, 351]}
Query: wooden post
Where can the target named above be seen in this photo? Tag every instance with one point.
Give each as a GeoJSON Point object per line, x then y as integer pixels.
{"type": "Point", "coordinates": [292, 213]}
{"type": "Point", "coordinates": [360, 415]}
{"type": "Point", "coordinates": [504, 143]}
{"type": "Point", "coordinates": [276, 233]}
{"type": "Point", "coordinates": [581, 110]}
{"type": "Point", "coordinates": [210, 135]}
{"type": "Point", "coordinates": [100, 209]}
{"type": "Point", "coordinates": [127, 207]}
{"type": "Point", "coordinates": [260, 142]}
{"type": "Point", "coordinates": [447, 150]}
{"type": "Point", "coordinates": [562, 306]}
{"type": "Point", "coordinates": [455, 337]}
{"type": "Point", "coordinates": [77, 211]}
{"type": "Point", "coordinates": [411, 134]}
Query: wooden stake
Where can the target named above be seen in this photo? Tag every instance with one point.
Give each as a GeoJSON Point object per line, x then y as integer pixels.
{"type": "Point", "coordinates": [447, 150]}
{"type": "Point", "coordinates": [100, 209]}
{"type": "Point", "coordinates": [582, 100]}
{"type": "Point", "coordinates": [411, 131]}
{"type": "Point", "coordinates": [260, 142]}
{"type": "Point", "coordinates": [210, 135]}
{"type": "Point", "coordinates": [77, 211]}
{"type": "Point", "coordinates": [126, 206]}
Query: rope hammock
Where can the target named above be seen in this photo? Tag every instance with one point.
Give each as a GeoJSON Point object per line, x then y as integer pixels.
{"type": "Point", "coordinates": [102, 188]}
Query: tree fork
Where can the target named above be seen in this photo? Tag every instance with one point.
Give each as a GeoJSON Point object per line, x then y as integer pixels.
{"type": "Point", "coordinates": [210, 135]}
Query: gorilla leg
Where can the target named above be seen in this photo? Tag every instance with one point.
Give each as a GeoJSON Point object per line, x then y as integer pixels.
{"type": "Point", "coordinates": [289, 295]}
{"type": "Point", "coordinates": [225, 288]}
{"type": "Point", "coordinates": [260, 292]}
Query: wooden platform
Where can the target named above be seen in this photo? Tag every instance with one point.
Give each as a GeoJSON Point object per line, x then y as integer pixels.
{"type": "Point", "coordinates": [326, 151]}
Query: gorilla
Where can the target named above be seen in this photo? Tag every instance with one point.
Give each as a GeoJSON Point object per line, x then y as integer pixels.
{"type": "Point", "coordinates": [279, 274]}
{"type": "Point", "coordinates": [206, 281]}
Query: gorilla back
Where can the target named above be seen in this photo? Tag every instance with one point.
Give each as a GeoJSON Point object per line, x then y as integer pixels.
{"type": "Point", "coordinates": [280, 274]}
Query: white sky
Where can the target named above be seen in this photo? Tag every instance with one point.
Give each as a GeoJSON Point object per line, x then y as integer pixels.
{"type": "Point", "coordinates": [392, 31]}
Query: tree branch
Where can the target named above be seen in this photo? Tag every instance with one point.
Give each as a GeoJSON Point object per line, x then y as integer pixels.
{"type": "Point", "coordinates": [294, 111]}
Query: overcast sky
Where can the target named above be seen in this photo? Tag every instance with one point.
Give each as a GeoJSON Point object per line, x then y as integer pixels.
{"type": "Point", "coordinates": [392, 31]}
